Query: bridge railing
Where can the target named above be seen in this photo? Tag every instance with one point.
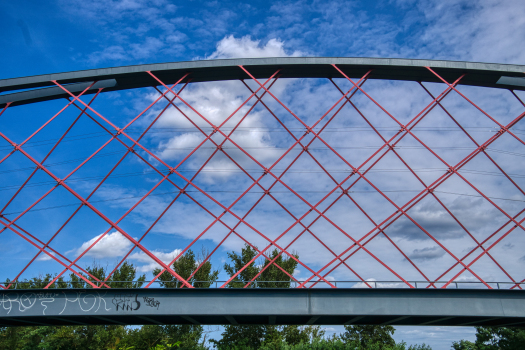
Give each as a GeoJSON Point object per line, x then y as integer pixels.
{"type": "Point", "coordinates": [310, 284]}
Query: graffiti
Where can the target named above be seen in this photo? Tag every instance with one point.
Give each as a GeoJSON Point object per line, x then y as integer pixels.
{"type": "Point", "coordinates": [46, 298]}
{"type": "Point", "coordinates": [151, 302]}
{"type": "Point", "coordinates": [69, 302]}
{"type": "Point", "coordinates": [86, 301]}
{"type": "Point", "coordinates": [25, 301]}
{"type": "Point", "coordinates": [126, 302]}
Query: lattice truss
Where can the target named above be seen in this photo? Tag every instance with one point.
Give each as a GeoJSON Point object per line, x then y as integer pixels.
{"type": "Point", "coordinates": [355, 179]}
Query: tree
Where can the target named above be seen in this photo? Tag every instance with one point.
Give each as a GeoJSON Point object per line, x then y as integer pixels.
{"type": "Point", "coordinates": [38, 282]}
{"type": "Point", "coordinates": [367, 335]}
{"type": "Point", "coordinates": [270, 274]}
{"type": "Point", "coordinates": [185, 266]}
{"type": "Point", "coordinates": [123, 277]}
{"type": "Point", "coordinates": [271, 277]}
{"type": "Point", "coordinates": [152, 336]}
{"type": "Point", "coordinates": [464, 345]}
{"type": "Point", "coordinates": [239, 261]}
{"type": "Point", "coordinates": [494, 338]}
{"type": "Point", "coordinates": [202, 276]}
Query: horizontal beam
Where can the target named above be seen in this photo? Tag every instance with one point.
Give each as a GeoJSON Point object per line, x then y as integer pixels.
{"type": "Point", "coordinates": [478, 74]}
{"type": "Point", "coordinates": [445, 307]}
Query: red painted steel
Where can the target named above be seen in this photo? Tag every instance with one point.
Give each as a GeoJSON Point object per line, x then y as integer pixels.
{"type": "Point", "coordinates": [359, 174]}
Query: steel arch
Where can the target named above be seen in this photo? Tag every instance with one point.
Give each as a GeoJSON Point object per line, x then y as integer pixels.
{"type": "Point", "coordinates": [264, 72]}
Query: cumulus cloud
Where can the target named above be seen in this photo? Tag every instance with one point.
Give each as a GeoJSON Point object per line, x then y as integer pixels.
{"type": "Point", "coordinates": [147, 264]}
{"type": "Point", "coordinates": [112, 245]}
{"type": "Point", "coordinates": [217, 101]}
{"type": "Point", "coordinates": [45, 257]}
{"type": "Point", "coordinates": [115, 245]}
{"type": "Point", "coordinates": [245, 47]}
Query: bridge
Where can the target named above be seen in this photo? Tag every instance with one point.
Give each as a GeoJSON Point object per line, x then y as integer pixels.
{"type": "Point", "coordinates": [319, 306]}
{"type": "Point", "coordinates": [395, 235]}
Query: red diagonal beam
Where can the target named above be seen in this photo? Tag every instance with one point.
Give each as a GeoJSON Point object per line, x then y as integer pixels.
{"type": "Point", "coordinates": [443, 94]}
{"type": "Point", "coordinates": [503, 129]}
{"type": "Point", "coordinates": [437, 156]}
{"type": "Point", "coordinates": [61, 182]}
{"type": "Point", "coordinates": [31, 240]}
{"type": "Point", "coordinates": [475, 105]}
{"type": "Point", "coordinates": [434, 185]}
{"type": "Point", "coordinates": [355, 170]}
{"type": "Point", "coordinates": [39, 166]}
{"type": "Point", "coordinates": [310, 129]}
{"type": "Point", "coordinates": [49, 153]}
{"type": "Point", "coordinates": [12, 151]}
{"type": "Point", "coordinates": [484, 252]}
{"type": "Point", "coordinates": [130, 149]}
{"type": "Point", "coordinates": [46, 252]}
{"type": "Point", "coordinates": [216, 129]}
{"type": "Point", "coordinates": [183, 190]}
{"type": "Point", "coordinates": [219, 147]}
{"type": "Point", "coordinates": [150, 154]}
{"type": "Point", "coordinates": [34, 171]}
{"type": "Point", "coordinates": [494, 162]}
{"type": "Point", "coordinates": [370, 219]}
{"type": "Point", "coordinates": [45, 124]}
{"type": "Point", "coordinates": [414, 123]}
{"type": "Point", "coordinates": [304, 149]}
{"type": "Point", "coordinates": [266, 170]}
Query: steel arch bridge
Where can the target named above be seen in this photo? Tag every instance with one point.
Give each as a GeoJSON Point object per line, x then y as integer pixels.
{"type": "Point", "coordinates": [369, 240]}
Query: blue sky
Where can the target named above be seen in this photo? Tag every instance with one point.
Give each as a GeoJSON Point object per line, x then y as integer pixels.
{"type": "Point", "coordinates": [56, 36]}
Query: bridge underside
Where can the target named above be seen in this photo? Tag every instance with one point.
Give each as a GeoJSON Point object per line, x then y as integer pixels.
{"type": "Point", "coordinates": [443, 307]}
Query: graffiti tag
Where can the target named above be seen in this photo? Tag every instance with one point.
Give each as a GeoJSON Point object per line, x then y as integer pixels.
{"type": "Point", "coordinates": [151, 302]}
{"type": "Point", "coordinates": [126, 302]}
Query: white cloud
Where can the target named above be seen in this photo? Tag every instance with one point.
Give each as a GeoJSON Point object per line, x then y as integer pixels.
{"type": "Point", "coordinates": [216, 101]}
{"type": "Point", "coordinates": [113, 244]}
{"type": "Point", "coordinates": [45, 257]}
{"type": "Point", "coordinates": [245, 47]}
{"type": "Point", "coordinates": [116, 245]}
{"type": "Point", "coordinates": [114, 10]}
{"type": "Point", "coordinates": [148, 263]}
{"type": "Point", "coordinates": [486, 31]}
{"type": "Point", "coordinates": [374, 284]}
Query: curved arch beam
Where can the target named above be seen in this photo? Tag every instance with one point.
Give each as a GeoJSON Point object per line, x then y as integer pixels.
{"type": "Point", "coordinates": [492, 75]}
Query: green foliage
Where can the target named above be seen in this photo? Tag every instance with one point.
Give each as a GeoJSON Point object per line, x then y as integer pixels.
{"type": "Point", "coordinates": [154, 337]}
{"type": "Point", "coordinates": [258, 335]}
{"type": "Point", "coordinates": [123, 277]}
{"type": "Point", "coordinates": [270, 272]}
{"type": "Point", "coordinates": [166, 346]}
{"type": "Point", "coordinates": [420, 347]}
{"type": "Point", "coordinates": [464, 345]}
{"type": "Point", "coordinates": [494, 338]}
{"type": "Point", "coordinates": [369, 334]}
{"type": "Point", "coordinates": [326, 344]}
{"type": "Point", "coordinates": [239, 261]}
{"type": "Point", "coordinates": [241, 337]}
{"type": "Point", "coordinates": [185, 267]}
{"type": "Point", "coordinates": [38, 282]}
